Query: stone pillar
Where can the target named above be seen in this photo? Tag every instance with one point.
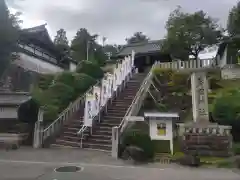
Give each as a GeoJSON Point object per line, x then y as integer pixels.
{"type": "Point", "coordinates": [199, 85]}
{"type": "Point", "coordinates": [38, 131]}
{"type": "Point", "coordinates": [115, 141]}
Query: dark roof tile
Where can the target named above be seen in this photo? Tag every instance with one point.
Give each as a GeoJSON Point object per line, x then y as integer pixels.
{"type": "Point", "coordinates": [145, 47]}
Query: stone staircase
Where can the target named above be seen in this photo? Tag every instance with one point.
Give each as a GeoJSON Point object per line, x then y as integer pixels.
{"type": "Point", "coordinates": [100, 138]}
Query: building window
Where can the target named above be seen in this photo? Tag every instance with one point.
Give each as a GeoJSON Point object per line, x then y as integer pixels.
{"type": "Point", "coordinates": [161, 129]}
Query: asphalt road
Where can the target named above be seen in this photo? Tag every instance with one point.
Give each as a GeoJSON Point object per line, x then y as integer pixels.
{"type": "Point", "coordinates": [18, 166]}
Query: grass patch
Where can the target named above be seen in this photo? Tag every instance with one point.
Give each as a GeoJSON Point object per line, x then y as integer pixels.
{"type": "Point", "coordinates": [236, 148]}
{"type": "Point", "coordinates": [227, 83]}
{"type": "Point", "coordinates": [189, 116]}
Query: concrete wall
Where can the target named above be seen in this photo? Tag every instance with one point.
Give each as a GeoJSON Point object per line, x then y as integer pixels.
{"type": "Point", "coordinates": [37, 65]}
{"type": "Point", "coordinates": [230, 72]}
{"type": "Point", "coordinates": [8, 112]}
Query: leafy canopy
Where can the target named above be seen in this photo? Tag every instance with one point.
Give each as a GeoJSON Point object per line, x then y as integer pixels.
{"type": "Point", "coordinates": [188, 34]}
{"type": "Point", "coordinates": [137, 37]}
{"type": "Point", "coordinates": [233, 24]}
{"type": "Point", "coordinates": [85, 47]}
{"type": "Point", "coordinates": [8, 36]}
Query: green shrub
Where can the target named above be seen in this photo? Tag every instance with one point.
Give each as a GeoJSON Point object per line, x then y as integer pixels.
{"type": "Point", "coordinates": [141, 140]}
{"type": "Point", "coordinates": [90, 69]}
{"type": "Point", "coordinates": [60, 95]}
{"type": "Point", "coordinates": [236, 148]}
{"type": "Point", "coordinates": [66, 77]}
{"type": "Point", "coordinates": [226, 111]}
{"type": "Point", "coordinates": [50, 113]}
{"type": "Point", "coordinates": [82, 83]}
{"type": "Point", "coordinates": [79, 82]}
{"type": "Point", "coordinates": [45, 81]}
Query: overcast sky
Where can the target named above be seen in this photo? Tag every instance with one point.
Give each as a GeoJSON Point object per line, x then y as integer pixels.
{"type": "Point", "coordinates": [115, 19]}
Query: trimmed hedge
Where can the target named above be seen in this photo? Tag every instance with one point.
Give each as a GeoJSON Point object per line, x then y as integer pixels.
{"type": "Point", "coordinates": [90, 69]}
{"type": "Point", "coordinates": [55, 93]}
{"type": "Point", "coordinates": [141, 140]}
{"type": "Point", "coordinates": [45, 81]}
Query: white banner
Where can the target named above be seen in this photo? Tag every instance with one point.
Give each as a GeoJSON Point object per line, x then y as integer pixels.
{"type": "Point", "coordinates": [129, 64]}
{"type": "Point", "coordinates": [104, 96]}
{"type": "Point", "coordinates": [97, 97]}
{"type": "Point", "coordinates": [124, 68]}
{"type": "Point", "coordinates": [110, 85]}
{"type": "Point", "coordinates": [115, 79]}
{"type": "Point", "coordinates": [119, 74]}
{"type": "Point", "coordinates": [88, 111]}
{"type": "Point", "coordinates": [132, 58]}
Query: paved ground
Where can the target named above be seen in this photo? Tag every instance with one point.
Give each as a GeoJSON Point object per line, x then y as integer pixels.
{"type": "Point", "coordinates": [28, 164]}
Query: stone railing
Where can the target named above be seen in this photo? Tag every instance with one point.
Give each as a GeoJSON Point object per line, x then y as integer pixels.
{"type": "Point", "coordinates": [54, 128]}
{"type": "Point", "coordinates": [132, 111]}
{"type": "Point", "coordinates": [190, 64]}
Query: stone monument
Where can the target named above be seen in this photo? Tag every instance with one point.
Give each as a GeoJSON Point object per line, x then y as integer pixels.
{"type": "Point", "coordinates": [201, 136]}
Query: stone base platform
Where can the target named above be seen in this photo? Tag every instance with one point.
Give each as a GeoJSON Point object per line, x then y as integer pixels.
{"type": "Point", "coordinates": [206, 139]}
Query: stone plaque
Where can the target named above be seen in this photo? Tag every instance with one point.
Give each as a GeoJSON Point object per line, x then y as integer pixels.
{"type": "Point", "coordinates": [199, 96]}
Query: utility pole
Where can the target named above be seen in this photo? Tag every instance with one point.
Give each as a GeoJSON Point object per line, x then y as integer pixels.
{"type": "Point", "coordinates": [103, 41]}
{"type": "Point", "coordinates": [87, 48]}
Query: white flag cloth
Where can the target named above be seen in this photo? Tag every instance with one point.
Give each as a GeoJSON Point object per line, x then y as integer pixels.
{"type": "Point", "coordinates": [124, 69]}
{"type": "Point", "coordinates": [132, 58]}
{"type": "Point", "coordinates": [110, 85]}
{"type": "Point", "coordinates": [129, 64]}
{"type": "Point", "coordinates": [104, 97]}
{"type": "Point", "coordinates": [88, 111]}
{"type": "Point", "coordinates": [97, 96]}
{"type": "Point", "coordinates": [115, 79]}
{"type": "Point", "coordinates": [119, 74]}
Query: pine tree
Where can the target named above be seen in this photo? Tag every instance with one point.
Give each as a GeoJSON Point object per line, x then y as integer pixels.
{"type": "Point", "coordinates": [8, 36]}
{"type": "Point", "coordinates": [233, 24]}
{"type": "Point", "coordinates": [61, 38]}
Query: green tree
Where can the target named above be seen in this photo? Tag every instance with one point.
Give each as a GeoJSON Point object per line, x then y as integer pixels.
{"type": "Point", "coordinates": [8, 36]}
{"type": "Point", "coordinates": [61, 38]}
{"type": "Point", "coordinates": [83, 45]}
{"type": "Point", "coordinates": [233, 24]}
{"type": "Point", "coordinates": [110, 50]}
{"type": "Point", "coordinates": [188, 34]}
{"type": "Point", "coordinates": [226, 110]}
{"type": "Point", "coordinates": [137, 37]}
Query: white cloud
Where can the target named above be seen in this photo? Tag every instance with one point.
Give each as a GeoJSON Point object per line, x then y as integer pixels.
{"type": "Point", "coordinates": [111, 18]}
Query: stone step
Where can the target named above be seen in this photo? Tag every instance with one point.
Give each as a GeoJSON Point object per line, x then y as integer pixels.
{"type": "Point", "coordinates": [112, 118]}
{"type": "Point", "coordinates": [99, 141]}
{"type": "Point", "coordinates": [115, 113]}
{"type": "Point", "coordinates": [60, 146]}
{"type": "Point", "coordinates": [96, 136]}
{"type": "Point", "coordinates": [72, 138]}
{"type": "Point", "coordinates": [71, 129]}
{"type": "Point", "coordinates": [103, 128]}
{"type": "Point", "coordinates": [122, 108]}
{"type": "Point", "coordinates": [74, 125]}
{"type": "Point", "coordinates": [112, 124]}
{"type": "Point", "coordinates": [97, 146]}
{"type": "Point", "coordinates": [103, 133]}
{"type": "Point", "coordinates": [113, 110]}
{"type": "Point", "coordinates": [67, 143]}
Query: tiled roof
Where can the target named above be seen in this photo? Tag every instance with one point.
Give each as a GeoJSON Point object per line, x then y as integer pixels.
{"type": "Point", "coordinates": [145, 47]}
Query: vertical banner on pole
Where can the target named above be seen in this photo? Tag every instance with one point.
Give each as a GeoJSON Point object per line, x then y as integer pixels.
{"type": "Point", "coordinates": [97, 97]}
{"type": "Point", "coordinates": [110, 85]}
{"type": "Point", "coordinates": [119, 78]}
{"type": "Point", "coordinates": [88, 111]}
{"type": "Point", "coordinates": [132, 58]}
{"type": "Point", "coordinates": [104, 97]}
{"type": "Point", "coordinates": [115, 79]}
